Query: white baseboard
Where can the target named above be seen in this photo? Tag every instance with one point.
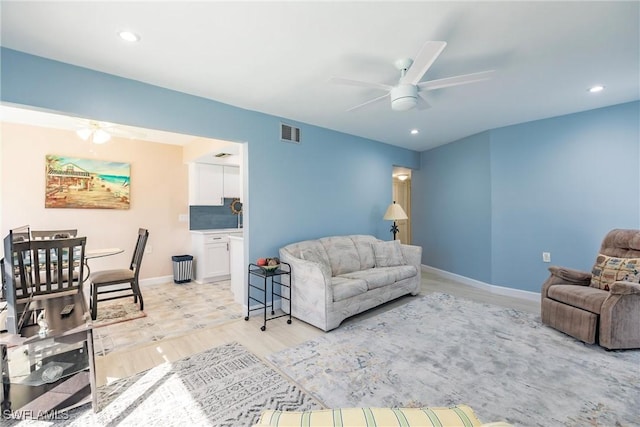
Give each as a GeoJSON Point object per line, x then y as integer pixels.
{"type": "Point", "coordinates": [500, 290]}
{"type": "Point", "coordinates": [150, 281]}
{"type": "Point", "coordinates": [156, 280]}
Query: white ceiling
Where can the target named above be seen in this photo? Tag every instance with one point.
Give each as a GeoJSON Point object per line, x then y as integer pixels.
{"type": "Point", "coordinates": [277, 57]}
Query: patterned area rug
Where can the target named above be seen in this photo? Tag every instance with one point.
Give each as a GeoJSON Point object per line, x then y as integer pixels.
{"type": "Point", "coordinates": [117, 311]}
{"type": "Point", "coordinates": [171, 310]}
{"type": "Point", "coordinates": [440, 350]}
{"type": "Point", "coordinates": [223, 386]}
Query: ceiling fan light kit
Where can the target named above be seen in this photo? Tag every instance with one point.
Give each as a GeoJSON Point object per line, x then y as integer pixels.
{"type": "Point", "coordinates": [101, 136]}
{"type": "Point", "coordinates": [84, 134]}
{"type": "Point", "coordinates": [94, 134]}
{"type": "Point", "coordinates": [404, 97]}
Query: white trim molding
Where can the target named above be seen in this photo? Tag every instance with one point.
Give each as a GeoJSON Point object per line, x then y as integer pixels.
{"type": "Point", "coordinates": [500, 290]}
{"type": "Point", "coordinates": [156, 280]}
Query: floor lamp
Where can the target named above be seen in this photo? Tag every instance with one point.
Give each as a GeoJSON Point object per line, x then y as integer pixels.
{"type": "Point", "coordinates": [395, 213]}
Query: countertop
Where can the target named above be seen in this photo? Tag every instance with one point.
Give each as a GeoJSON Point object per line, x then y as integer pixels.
{"type": "Point", "coordinates": [218, 230]}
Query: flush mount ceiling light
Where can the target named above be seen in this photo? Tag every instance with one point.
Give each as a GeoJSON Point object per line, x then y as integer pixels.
{"type": "Point", "coordinates": [129, 36]}
{"type": "Point", "coordinates": [596, 88]}
{"type": "Point", "coordinates": [414, 131]}
{"type": "Point", "coordinates": [403, 177]}
{"type": "Point", "coordinates": [404, 97]}
{"type": "Point", "coordinates": [94, 133]}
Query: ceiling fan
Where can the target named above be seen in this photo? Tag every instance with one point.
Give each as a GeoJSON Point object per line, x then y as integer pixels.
{"type": "Point", "coordinates": [101, 132]}
{"type": "Point", "coordinates": [409, 93]}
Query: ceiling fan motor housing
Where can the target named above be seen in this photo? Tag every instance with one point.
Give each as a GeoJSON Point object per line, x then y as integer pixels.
{"type": "Point", "coordinates": [404, 97]}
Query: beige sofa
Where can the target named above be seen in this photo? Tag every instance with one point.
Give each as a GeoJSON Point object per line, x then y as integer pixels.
{"type": "Point", "coordinates": [602, 306]}
{"type": "Point", "coordinates": [336, 277]}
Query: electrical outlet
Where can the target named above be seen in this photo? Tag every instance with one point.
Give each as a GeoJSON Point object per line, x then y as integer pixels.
{"type": "Point", "coordinates": [148, 249]}
{"type": "Point", "coordinates": [546, 256]}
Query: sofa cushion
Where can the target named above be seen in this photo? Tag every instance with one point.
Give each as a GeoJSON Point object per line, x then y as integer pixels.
{"type": "Point", "coordinates": [365, 250]}
{"type": "Point", "coordinates": [609, 269]}
{"type": "Point", "coordinates": [343, 255]}
{"type": "Point", "coordinates": [388, 254]}
{"type": "Point", "coordinates": [404, 271]}
{"type": "Point", "coordinates": [583, 297]}
{"type": "Point", "coordinates": [378, 277]}
{"type": "Point", "coordinates": [344, 287]}
{"type": "Point", "coordinates": [374, 277]}
{"type": "Point", "coordinates": [461, 415]}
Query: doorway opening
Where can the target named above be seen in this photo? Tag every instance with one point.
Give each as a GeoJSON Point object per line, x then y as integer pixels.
{"type": "Point", "coordinates": [401, 180]}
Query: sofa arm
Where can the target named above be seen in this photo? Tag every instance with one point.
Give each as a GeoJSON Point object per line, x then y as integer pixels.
{"type": "Point", "coordinates": [571, 276]}
{"type": "Point", "coordinates": [307, 274]}
{"type": "Point", "coordinates": [564, 276]}
{"type": "Point", "coordinates": [619, 314]}
{"type": "Point", "coordinates": [412, 255]}
{"type": "Point", "coordinates": [625, 288]}
{"type": "Point", "coordinates": [311, 290]}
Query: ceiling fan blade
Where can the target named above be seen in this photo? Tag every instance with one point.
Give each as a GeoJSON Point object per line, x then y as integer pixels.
{"type": "Point", "coordinates": [351, 82]}
{"type": "Point", "coordinates": [455, 81]}
{"type": "Point", "coordinates": [422, 102]}
{"type": "Point", "coordinates": [371, 101]}
{"type": "Point", "coordinates": [426, 57]}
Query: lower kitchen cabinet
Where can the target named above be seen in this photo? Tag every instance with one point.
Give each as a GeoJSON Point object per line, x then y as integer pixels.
{"type": "Point", "coordinates": [211, 253]}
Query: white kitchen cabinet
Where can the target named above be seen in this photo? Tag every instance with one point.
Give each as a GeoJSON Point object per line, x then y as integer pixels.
{"type": "Point", "coordinates": [211, 253]}
{"type": "Point", "coordinates": [238, 269]}
{"type": "Point", "coordinates": [206, 184]}
{"type": "Point", "coordinates": [231, 182]}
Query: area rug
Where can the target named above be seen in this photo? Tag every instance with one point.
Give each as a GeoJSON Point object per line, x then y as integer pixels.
{"type": "Point", "coordinates": [117, 311]}
{"type": "Point", "coordinates": [223, 386]}
{"type": "Point", "coordinates": [439, 350]}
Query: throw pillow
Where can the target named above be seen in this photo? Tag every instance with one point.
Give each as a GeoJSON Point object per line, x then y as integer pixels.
{"type": "Point", "coordinates": [609, 269]}
{"type": "Point", "coordinates": [388, 254]}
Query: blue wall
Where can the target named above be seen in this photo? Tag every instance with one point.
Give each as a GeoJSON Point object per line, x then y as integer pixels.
{"type": "Point", "coordinates": [555, 185]}
{"type": "Point", "coordinates": [332, 183]}
{"type": "Point", "coordinates": [451, 207]}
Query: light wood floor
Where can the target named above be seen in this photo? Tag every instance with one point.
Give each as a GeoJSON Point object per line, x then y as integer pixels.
{"type": "Point", "coordinates": [278, 336]}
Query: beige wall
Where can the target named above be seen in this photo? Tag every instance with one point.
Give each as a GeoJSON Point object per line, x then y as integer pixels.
{"type": "Point", "coordinates": [159, 193]}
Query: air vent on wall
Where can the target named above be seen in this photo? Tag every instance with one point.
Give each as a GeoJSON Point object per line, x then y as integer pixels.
{"type": "Point", "coordinates": [289, 133]}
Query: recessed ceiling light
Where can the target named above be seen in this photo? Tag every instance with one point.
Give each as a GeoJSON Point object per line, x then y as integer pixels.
{"type": "Point", "coordinates": [129, 36]}
{"type": "Point", "coordinates": [414, 131]}
{"type": "Point", "coordinates": [597, 88]}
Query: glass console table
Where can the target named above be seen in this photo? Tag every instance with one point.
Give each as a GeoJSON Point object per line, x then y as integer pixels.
{"type": "Point", "coordinates": [48, 373]}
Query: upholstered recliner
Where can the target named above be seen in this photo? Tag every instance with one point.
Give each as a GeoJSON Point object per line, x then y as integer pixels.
{"type": "Point", "coordinates": [602, 306]}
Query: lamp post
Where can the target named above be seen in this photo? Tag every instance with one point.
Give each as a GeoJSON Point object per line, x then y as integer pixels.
{"type": "Point", "coordinates": [394, 213]}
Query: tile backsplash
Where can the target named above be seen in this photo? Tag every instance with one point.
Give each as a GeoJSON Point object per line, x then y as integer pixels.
{"type": "Point", "coordinates": [213, 217]}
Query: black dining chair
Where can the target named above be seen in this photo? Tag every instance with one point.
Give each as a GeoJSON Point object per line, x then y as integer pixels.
{"type": "Point", "coordinates": [53, 234]}
{"type": "Point", "coordinates": [39, 269]}
{"type": "Point", "coordinates": [108, 285]}
{"type": "Point", "coordinates": [45, 266]}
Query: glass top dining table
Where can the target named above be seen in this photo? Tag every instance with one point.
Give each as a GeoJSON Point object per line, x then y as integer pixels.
{"type": "Point", "coordinates": [98, 253]}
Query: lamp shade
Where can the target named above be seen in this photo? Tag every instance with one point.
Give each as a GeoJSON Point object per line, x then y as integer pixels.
{"type": "Point", "coordinates": [395, 212]}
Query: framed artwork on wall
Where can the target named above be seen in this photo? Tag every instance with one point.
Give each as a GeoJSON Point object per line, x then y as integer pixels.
{"type": "Point", "coordinates": [86, 183]}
